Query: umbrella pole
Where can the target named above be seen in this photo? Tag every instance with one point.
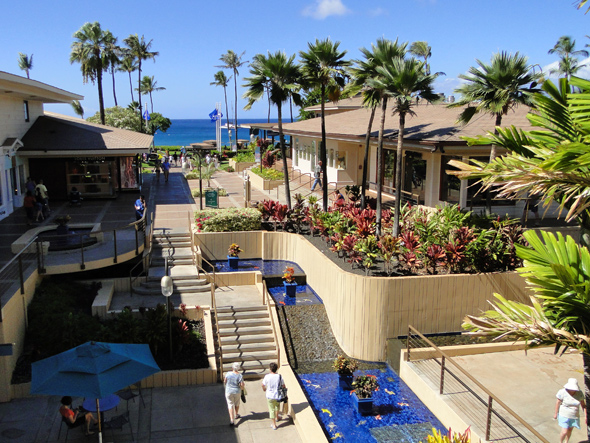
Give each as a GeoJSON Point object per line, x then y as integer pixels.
{"type": "Point", "coordinates": [99, 421]}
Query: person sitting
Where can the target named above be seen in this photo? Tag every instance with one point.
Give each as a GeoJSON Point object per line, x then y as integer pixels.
{"type": "Point", "coordinates": [76, 417]}
{"type": "Point", "coordinates": [338, 198]}
{"type": "Point", "coordinates": [75, 197]}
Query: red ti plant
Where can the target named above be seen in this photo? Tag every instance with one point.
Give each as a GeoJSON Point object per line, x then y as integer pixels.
{"type": "Point", "coordinates": [389, 248]}
{"type": "Point", "coordinates": [280, 214]}
{"type": "Point", "coordinates": [456, 249]}
{"type": "Point", "coordinates": [435, 257]}
{"type": "Point", "coordinates": [267, 209]}
{"type": "Point", "coordinates": [364, 228]}
{"type": "Point", "coordinates": [410, 246]}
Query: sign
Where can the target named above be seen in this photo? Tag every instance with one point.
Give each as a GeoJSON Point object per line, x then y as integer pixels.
{"type": "Point", "coordinates": [211, 198]}
{"type": "Point", "coordinates": [257, 154]}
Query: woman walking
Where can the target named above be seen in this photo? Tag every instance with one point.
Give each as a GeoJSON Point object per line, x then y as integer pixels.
{"type": "Point", "coordinates": [271, 384]}
{"type": "Point", "coordinates": [234, 383]}
{"type": "Point", "coordinates": [567, 409]}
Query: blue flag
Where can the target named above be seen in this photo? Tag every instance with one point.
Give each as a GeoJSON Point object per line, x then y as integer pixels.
{"type": "Point", "coordinates": [146, 115]}
{"type": "Point", "coordinates": [215, 115]}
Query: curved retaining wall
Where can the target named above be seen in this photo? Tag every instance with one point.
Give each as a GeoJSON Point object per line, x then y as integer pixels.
{"type": "Point", "coordinates": [365, 311]}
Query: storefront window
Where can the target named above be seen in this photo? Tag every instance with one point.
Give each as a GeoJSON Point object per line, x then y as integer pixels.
{"type": "Point", "coordinates": [341, 159]}
{"type": "Point", "coordinates": [92, 176]}
{"type": "Point", "coordinates": [331, 158]}
{"type": "Point", "coordinates": [450, 185]}
{"type": "Point", "coordinates": [128, 173]}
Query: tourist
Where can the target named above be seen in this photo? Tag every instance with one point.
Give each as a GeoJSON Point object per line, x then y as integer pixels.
{"type": "Point", "coordinates": [139, 207]}
{"type": "Point", "coordinates": [271, 384]}
{"type": "Point", "coordinates": [30, 185]}
{"type": "Point", "coordinates": [29, 205]}
{"type": "Point", "coordinates": [157, 170]}
{"type": "Point", "coordinates": [76, 417]}
{"type": "Point", "coordinates": [567, 409]}
{"type": "Point", "coordinates": [43, 197]}
{"type": "Point", "coordinates": [166, 169]}
{"type": "Point", "coordinates": [317, 174]}
{"type": "Point", "coordinates": [75, 197]}
{"type": "Point", "coordinates": [234, 383]}
{"type": "Point", "coordinates": [208, 158]}
{"type": "Point", "coordinates": [175, 157]}
{"type": "Point", "coordinates": [338, 198]}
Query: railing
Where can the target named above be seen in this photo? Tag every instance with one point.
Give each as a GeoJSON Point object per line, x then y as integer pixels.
{"type": "Point", "coordinates": [418, 340]}
{"type": "Point", "coordinates": [214, 309]}
{"type": "Point", "coordinates": [266, 301]}
{"type": "Point", "coordinates": [147, 258]}
{"type": "Point", "coordinates": [407, 197]}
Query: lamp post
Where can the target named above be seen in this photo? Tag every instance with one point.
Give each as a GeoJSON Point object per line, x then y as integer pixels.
{"type": "Point", "coordinates": [167, 289]}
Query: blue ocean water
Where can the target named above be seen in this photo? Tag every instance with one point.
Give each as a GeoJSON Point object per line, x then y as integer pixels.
{"type": "Point", "coordinates": [183, 132]}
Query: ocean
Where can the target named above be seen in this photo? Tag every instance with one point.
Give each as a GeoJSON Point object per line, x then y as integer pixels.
{"type": "Point", "coordinates": [183, 132]}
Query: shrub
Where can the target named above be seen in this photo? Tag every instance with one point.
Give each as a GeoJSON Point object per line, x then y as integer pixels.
{"type": "Point", "coordinates": [365, 385]}
{"type": "Point", "coordinates": [268, 174]}
{"type": "Point", "coordinates": [244, 157]}
{"type": "Point", "coordinates": [227, 220]}
{"type": "Point", "coordinates": [222, 192]}
{"type": "Point", "coordinates": [344, 365]}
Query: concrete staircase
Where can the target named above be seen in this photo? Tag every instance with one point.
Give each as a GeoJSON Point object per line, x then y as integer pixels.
{"type": "Point", "coordinates": [174, 245]}
{"type": "Point", "coordinates": [246, 337]}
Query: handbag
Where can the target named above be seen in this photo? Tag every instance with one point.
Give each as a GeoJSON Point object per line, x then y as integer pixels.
{"type": "Point", "coordinates": [243, 396]}
{"type": "Point", "coordinates": [282, 391]}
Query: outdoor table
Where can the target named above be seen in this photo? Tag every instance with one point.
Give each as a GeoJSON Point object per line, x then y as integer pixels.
{"type": "Point", "coordinates": [106, 404]}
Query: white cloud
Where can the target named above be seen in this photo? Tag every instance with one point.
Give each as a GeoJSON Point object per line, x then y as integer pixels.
{"type": "Point", "coordinates": [325, 8]}
{"type": "Point", "coordinates": [584, 72]}
{"type": "Point", "coordinates": [377, 12]}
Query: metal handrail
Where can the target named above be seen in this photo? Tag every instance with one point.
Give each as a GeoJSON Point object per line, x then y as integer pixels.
{"type": "Point", "coordinates": [214, 309]}
{"type": "Point", "coordinates": [491, 397]}
{"type": "Point", "coordinates": [406, 195]}
{"type": "Point", "coordinates": [147, 259]}
{"type": "Point", "coordinates": [266, 301]}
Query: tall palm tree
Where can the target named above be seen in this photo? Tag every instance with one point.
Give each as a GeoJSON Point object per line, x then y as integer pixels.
{"type": "Point", "coordinates": [565, 48]}
{"type": "Point", "coordinates": [280, 75]}
{"type": "Point", "coordinates": [222, 80]}
{"type": "Point", "coordinates": [128, 65]}
{"type": "Point", "coordinates": [139, 49]}
{"type": "Point", "coordinates": [323, 66]}
{"type": "Point", "coordinates": [381, 53]}
{"type": "Point", "coordinates": [422, 49]}
{"type": "Point", "coordinates": [78, 109]}
{"type": "Point", "coordinates": [25, 62]}
{"type": "Point", "coordinates": [233, 61]}
{"type": "Point", "coordinates": [149, 85]}
{"type": "Point", "coordinates": [88, 50]}
{"type": "Point", "coordinates": [399, 80]}
{"type": "Point", "coordinates": [112, 59]}
{"type": "Point", "coordinates": [257, 67]}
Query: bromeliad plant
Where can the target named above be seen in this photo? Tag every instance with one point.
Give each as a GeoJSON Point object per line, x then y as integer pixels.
{"type": "Point", "coordinates": [365, 385]}
{"type": "Point", "coordinates": [344, 365]}
{"type": "Point", "coordinates": [289, 274]}
{"type": "Point", "coordinates": [234, 250]}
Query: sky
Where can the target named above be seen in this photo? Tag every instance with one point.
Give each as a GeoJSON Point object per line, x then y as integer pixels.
{"type": "Point", "coordinates": [191, 36]}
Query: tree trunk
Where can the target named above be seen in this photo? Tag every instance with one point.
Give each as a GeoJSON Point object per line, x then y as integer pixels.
{"type": "Point", "coordinates": [323, 152]}
{"type": "Point", "coordinates": [236, 102]}
{"type": "Point", "coordinates": [100, 97]}
{"type": "Point", "coordinates": [226, 119]}
{"type": "Point", "coordinates": [398, 173]}
{"type": "Point", "coordinates": [380, 167]}
{"type": "Point", "coordinates": [586, 360]}
{"type": "Point", "coordinates": [366, 160]}
{"type": "Point", "coordinates": [291, 107]}
{"type": "Point", "coordinates": [152, 103]}
{"type": "Point", "coordinates": [139, 97]}
{"type": "Point", "coordinates": [493, 154]}
{"type": "Point", "coordinates": [114, 90]}
{"type": "Point", "coordinates": [131, 86]}
{"type": "Point", "coordinates": [284, 154]}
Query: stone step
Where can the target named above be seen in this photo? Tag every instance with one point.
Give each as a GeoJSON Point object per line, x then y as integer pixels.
{"type": "Point", "coordinates": [241, 331]}
{"type": "Point", "coordinates": [241, 315]}
{"type": "Point", "coordinates": [243, 357]}
{"type": "Point", "coordinates": [193, 290]}
{"type": "Point", "coordinates": [172, 252]}
{"type": "Point", "coordinates": [170, 245]}
{"type": "Point", "coordinates": [171, 233]}
{"type": "Point", "coordinates": [248, 347]}
{"type": "Point", "coordinates": [243, 323]}
{"type": "Point", "coordinates": [225, 309]}
{"type": "Point", "coordinates": [177, 272]}
{"type": "Point", "coordinates": [178, 283]}
{"type": "Point", "coordinates": [233, 340]}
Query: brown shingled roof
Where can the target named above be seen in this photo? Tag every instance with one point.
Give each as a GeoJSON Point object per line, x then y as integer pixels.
{"type": "Point", "coordinates": [55, 132]}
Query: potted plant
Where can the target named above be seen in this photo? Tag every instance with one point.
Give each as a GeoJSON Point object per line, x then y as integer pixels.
{"type": "Point", "coordinates": [364, 386]}
{"type": "Point", "coordinates": [345, 367]}
{"type": "Point", "coordinates": [289, 281]}
{"type": "Point", "coordinates": [232, 256]}
{"type": "Point", "coordinates": [62, 224]}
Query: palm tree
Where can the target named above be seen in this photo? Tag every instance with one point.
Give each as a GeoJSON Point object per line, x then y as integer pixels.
{"type": "Point", "coordinates": [112, 60]}
{"type": "Point", "coordinates": [128, 65]}
{"type": "Point", "coordinates": [281, 76]}
{"type": "Point", "coordinates": [400, 80]}
{"type": "Point", "coordinates": [78, 109]}
{"type": "Point", "coordinates": [139, 49]}
{"type": "Point", "coordinates": [88, 50]}
{"type": "Point", "coordinates": [323, 66]}
{"type": "Point", "coordinates": [233, 61]}
{"type": "Point", "coordinates": [422, 49]}
{"type": "Point", "coordinates": [222, 80]}
{"type": "Point", "coordinates": [257, 67]}
{"type": "Point", "coordinates": [568, 56]}
{"type": "Point", "coordinates": [25, 62]}
{"type": "Point", "coordinates": [149, 85]}
{"type": "Point", "coordinates": [382, 53]}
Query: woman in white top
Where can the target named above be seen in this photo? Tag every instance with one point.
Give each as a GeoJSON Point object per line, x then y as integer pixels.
{"type": "Point", "coordinates": [234, 383]}
{"type": "Point", "coordinates": [567, 408]}
{"type": "Point", "coordinates": [270, 385]}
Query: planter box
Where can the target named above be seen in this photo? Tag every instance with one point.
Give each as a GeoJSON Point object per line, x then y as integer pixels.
{"type": "Point", "coordinates": [345, 381]}
{"type": "Point", "coordinates": [290, 289]}
{"type": "Point", "coordinates": [266, 185]}
{"type": "Point", "coordinates": [240, 166]}
{"type": "Point", "coordinates": [233, 262]}
{"type": "Point", "coordinates": [364, 406]}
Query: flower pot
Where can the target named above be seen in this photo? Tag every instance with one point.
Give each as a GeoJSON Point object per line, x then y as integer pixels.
{"type": "Point", "coordinates": [364, 406]}
{"type": "Point", "coordinates": [233, 262]}
{"type": "Point", "coordinates": [345, 381]}
{"type": "Point", "coordinates": [62, 229]}
{"type": "Point", "coordinates": [290, 288]}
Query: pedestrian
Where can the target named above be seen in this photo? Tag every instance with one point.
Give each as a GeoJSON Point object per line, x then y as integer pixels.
{"type": "Point", "coordinates": [157, 170]}
{"type": "Point", "coordinates": [317, 174]}
{"type": "Point", "coordinates": [166, 168]}
{"type": "Point", "coordinates": [234, 383]}
{"type": "Point", "coordinates": [208, 158]}
{"type": "Point", "coordinates": [175, 157]}
{"type": "Point", "coordinates": [338, 198]}
{"type": "Point", "coordinates": [216, 161]}
{"type": "Point", "coordinates": [43, 196]}
{"type": "Point", "coordinates": [30, 185]}
{"type": "Point", "coordinates": [271, 384]}
{"type": "Point", "coordinates": [29, 205]}
{"type": "Point", "coordinates": [139, 207]}
{"type": "Point", "coordinates": [567, 409]}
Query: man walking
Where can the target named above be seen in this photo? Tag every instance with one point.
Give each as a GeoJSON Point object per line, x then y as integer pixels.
{"type": "Point", "coordinates": [166, 169]}
{"type": "Point", "coordinates": [317, 174]}
{"type": "Point", "coordinates": [43, 194]}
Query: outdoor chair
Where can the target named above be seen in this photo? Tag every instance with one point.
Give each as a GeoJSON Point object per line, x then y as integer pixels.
{"type": "Point", "coordinates": [128, 394]}
{"type": "Point", "coordinates": [118, 422]}
{"type": "Point", "coordinates": [69, 426]}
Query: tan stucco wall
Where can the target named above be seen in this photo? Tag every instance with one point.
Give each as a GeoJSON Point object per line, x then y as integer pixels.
{"type": "Point", "coordinates": [365, 311]}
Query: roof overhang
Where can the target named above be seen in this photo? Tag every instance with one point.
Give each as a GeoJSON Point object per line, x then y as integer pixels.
{"type": "Point", "coordinates": [10, 146]}
{"type": "Point", "coordinates": [27, 89]}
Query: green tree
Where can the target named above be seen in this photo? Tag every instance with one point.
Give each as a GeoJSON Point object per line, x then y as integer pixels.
{"type": "Point", "coordinates": [128, 118]}
{"type": "Point", "coordinates": [149, 85]}
{"type": "Point", "coordinates": [232, 61]}
{"type": "Point", "coordinates": [323, 66]}
{"type": "Point", "coordinates": [364, 70]}
{"type": "Point", "coordinates": [128, 65]}
{"type": "Point", "coordinates": [139, 49]}
{"type": "Point", "coordinates": [565, 48]}
{"type": "Point", "coordinates": [88, 50]}
{"type": "Point", "coordinates": [25, 63]}
{"type": "Point", "coordinates": [78, 109]}
{"type": "Point", "coordinates": [112, 59]}
{"type": "Point", "coordinates": [400, 80]}
{"type": "Point", "coordinates": [222, 80]}
{"type": "Point", "coordinates": [422, 49]}
{"type": "Point", "coordinates": [280, 75]}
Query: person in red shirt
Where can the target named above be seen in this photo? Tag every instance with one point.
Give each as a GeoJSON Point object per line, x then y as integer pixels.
{"type": "Point", "coordinates": [76, 417]}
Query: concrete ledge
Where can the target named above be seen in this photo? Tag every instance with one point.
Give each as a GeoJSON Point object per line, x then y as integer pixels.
{"type": "Point", "coordinates": [21, 242]}
{"type": "Point", "coordinates": [240, 166]}
{"type": "Point", "coordinates": [266, 185]}
{"type": "Point", "coordinates": [454, 351]}
{"type": "Point", "coordinates": [102, 301]}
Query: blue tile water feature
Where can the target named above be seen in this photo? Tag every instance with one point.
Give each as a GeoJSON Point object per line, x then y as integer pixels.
{"type": "Point", "coordinates": [305, 296]}
{"type": "Point", "coordinates": [266, 267]}
{"type": "Point", "coordinates": [398, 415]}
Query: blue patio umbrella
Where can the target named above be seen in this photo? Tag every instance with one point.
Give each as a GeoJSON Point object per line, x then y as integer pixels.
{"type": "Point", "coordinates": [93, 370]}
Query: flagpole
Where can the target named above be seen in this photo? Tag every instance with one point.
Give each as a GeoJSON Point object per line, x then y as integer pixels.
{"type": "Point", "coordinates": [218, 126]}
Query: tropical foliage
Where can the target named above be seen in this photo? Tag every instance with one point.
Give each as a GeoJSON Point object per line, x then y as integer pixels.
{"type": "Point", "coordinates": [365, 385]}
{"type": "Point", "coordinates": [344, 365]}
{"type": "Point", "coordinates": [126, 118]}
{"type": "Point", "coordinates": [568, 56]}
{"type": "Point", "coordinates": [232, 61]}
{"type": "Point", "coordinates": [25, 63]}
{"type": "Point", "coordinates": [222, 80]}
{"type": "Point", "coordinates": [227, 220]}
